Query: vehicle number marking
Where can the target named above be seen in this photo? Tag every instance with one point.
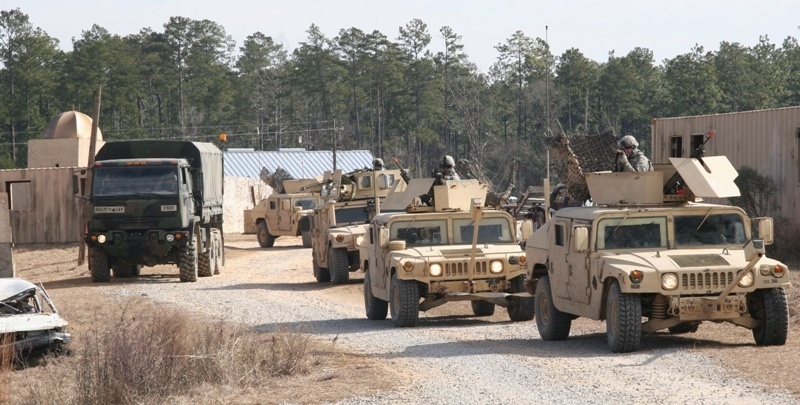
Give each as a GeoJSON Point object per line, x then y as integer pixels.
{"type": "Point", "coordinates": [105, 210]}
{"type": "Point", "coordinates": [165, 208]}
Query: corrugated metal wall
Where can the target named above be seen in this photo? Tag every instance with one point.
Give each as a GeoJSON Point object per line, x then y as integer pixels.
{"type": "Point", "coordinates": [766, 140]}
{"type": "Point", "coordinates": [42, 206]}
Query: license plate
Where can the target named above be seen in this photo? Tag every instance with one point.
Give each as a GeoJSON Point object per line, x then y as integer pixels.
{"type": "Point", "coordinates": [167, 208]}
{"type": "Point", "coordinates": [106, 210]}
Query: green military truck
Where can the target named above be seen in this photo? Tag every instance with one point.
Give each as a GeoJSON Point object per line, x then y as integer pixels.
{"type": "Point", "coordinates": [155, 202]}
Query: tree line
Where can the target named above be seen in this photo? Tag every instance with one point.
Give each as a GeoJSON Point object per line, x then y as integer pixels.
{"type": "Point", "coordinates": [367, 90]}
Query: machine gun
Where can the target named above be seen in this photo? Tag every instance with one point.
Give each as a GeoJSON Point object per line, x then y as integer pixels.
{"type": "Point", "coordinates": [403, 173]}
{"type": "Point", "coordinates": [675, 183]}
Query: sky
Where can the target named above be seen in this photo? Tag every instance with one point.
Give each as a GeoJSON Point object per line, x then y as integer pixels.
{"type": "Point", "coordinates": [668, 28]}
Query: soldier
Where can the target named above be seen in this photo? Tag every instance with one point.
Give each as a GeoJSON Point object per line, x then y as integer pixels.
{"type": "Point", "coordinates": [447, 168]}
{"type": "Point", "coordinates": [377, 164]}
{"type": "Point", "coordinates": [630, 158]}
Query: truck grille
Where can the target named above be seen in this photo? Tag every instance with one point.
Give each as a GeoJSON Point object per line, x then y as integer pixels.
{"type": "Point", "coordinates": [707, 280]}
{"type": "Point", "coordinates": [462, 268]}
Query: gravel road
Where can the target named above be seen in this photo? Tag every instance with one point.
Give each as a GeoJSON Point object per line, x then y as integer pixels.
{"type": "Point", "coordinates": [453, 357]}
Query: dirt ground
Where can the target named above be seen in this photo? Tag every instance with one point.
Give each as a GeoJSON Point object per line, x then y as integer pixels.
{"type": "Point", "coordinates": [339, 375]}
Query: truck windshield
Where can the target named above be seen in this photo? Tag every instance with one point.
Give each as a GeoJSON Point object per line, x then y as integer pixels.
{"type": "Point", "coordinates": [354, 215]}
{"type": "Point", "coordinates": [490, 230]}
{"type": "Point", "coordinates": [632, 233]}
{"type": "Point", "coordinates": [132, 180]}
{"type": "Point", "coordinates": [420, 232]}
{"type": "Point", "coordinates": [714, 229]}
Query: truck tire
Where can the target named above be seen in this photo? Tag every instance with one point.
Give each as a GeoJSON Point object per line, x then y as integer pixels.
{"type": "Point", "coordinates": [623, 320]}
{"type": "Point", "coordinates": [320, 273]}
{"type": "Point", "coordinates": [769, 306]}
{"type": "Point", "coordinates": [376, 308]}
{"type": "Point", "coordinates": [205, 260]}
{"type": "Point", "coordinates": [188, 261]}
{"type": "Point", "coordinates": [218, 250]}
{"type": "Point", "coordinates": [404, 302]}
{"type": "Point", "coordinates": [98, 265]}
{"type": "Point", "coordinates": [306, 235]}
{"type": "Point", "coordinates": [685, 327]}
{"type": "Point", "coordinates": [338, 266]}
{"type": "Point", "coordinates": [265, 239]}
{"type": "Point", "coordinates": [520, 309]}
{"type": "Point", "coordinates": [482, 308]}
{"type": "Point", "coordinates": [551, 323]}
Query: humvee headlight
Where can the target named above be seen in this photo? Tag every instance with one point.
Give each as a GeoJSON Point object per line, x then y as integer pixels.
{"type": "Point", "coordinates": [339, 238]}
{"type": "Point", "coordinates": [170, 237]}
{"type": "Point", "coordinates": [669, 281]}
{"type": "Point", "coordinates": [522, 259]}
{"type": "Point", "coordinates": [765, 269]}
{"type": "Point", "coordinates": [747, 280]}
{"type": "Point", "coordinates": [636, 276]}
{"type": "Point", "coordinates": [496, 266]}
{"type": "Point", "coordinates": [435, 269]}
{"type": "Point", "coordinates": [178, 236]}
{"type": "Point", "coordinates": [101, 238]}
{"type": "Point", "coordinates": [408, 266]}
{"type": "Point", "coordinates": [777, 270]}
{"type": "Point", "coordinates": [359, 240]}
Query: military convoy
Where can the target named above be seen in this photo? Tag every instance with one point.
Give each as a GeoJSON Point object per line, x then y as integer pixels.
{"type": "Point", "coordinates": [638, 252]}
{"type": "Point", "coordinates": [285, 214]}
{"type": "Point", "coordinates": [453, 250]}
{"type": "Point", "coordinates": [155, 202]}
{"type": "Point", "coordinates": [338, 223]}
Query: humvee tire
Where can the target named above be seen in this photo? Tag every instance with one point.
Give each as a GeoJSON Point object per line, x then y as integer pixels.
{"type": "Point", "coordinates": [551, 323]}
{"type": "Point", "coordinates": [265, 240]}
{"type": "Point", "coordinates": [321, 274]}
{"type": "Point", "coordinates": [338, 265]}
{"type": "Point", "coordinates": [306, 235]}
{"type": "Point", "coordinates": [98, 265]}
{"type": "Point", "coordinates": [482, 308]}
{"type": "Point", "coordinates": [623, 320]}
{"type": "Point", "coordinates": [188, 261]}
{"type": "Point", "coordinates": [520, 309]}
{"type": "Point", "coordinates": [770, 307]}
{"type": "Point", "coordinates": [376, 308]}
{"type": "Point", "coordinates": [685, 327]}
{"type": "Point", "coordinates": [404, 305]}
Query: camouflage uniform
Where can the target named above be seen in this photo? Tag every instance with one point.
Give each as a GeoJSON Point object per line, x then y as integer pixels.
{"type": "Point", "coordinates": [377, 164]}
{"type": "Point", "coordinates": [447, 167]}
{"type": "Point", "coordinates": [633, 161]}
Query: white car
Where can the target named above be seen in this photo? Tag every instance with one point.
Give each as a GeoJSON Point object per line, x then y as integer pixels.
{"type": "Point", "coordinates": [24, 317]}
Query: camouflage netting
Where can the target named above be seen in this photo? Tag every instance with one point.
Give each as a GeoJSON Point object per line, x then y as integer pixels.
{"type": "Point", "coordinates": [275, 180]}
{"type": "Point", "coordinates": [572, 157]}
{"type": "Point", "coordinates": [494, 198]}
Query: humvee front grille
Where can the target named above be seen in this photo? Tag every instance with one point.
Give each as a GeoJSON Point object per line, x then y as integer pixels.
{"type": "Point", "coordinates": [462, 268]}
{"type": "Point", "coordinates": [706, 280]}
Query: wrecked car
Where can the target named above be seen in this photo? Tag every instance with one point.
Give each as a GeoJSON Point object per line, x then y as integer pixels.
{"type": "Point", "coordinates": [28, 319]}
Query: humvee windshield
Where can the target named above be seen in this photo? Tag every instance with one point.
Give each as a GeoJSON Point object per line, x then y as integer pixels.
{"type": "Point", "coordinates": [716, 229]}
{"type": "Point", "coordinates": [490, 230]}
{"type": "Point", "coordinates": [306, 204]}
{"type": "Point", "coordinates": [358, 215]}
{"type": "Point", "coordinates": [420, 232]}
{"type": "Point", "coordinates": [132, 180]}
{"type": "Point", "coordinates": [622, 233]}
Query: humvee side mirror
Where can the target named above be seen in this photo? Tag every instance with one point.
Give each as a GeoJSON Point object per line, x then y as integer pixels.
{"type": "Point", "coordinates": [383, 237]}
{"type": "Point", "coordinates": [397, 245]}
{"type": "Point", "coordinates": [526, 229]}
{"type": "Point", "coordinates": [297, 208]}
{"type": "Point", "coordinates": [580, 239]}
{"type": "Point", "coordinates": [765, 230]}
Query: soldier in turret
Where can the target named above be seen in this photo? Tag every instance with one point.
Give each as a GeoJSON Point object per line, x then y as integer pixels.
{"type": "Point", "coordinates": [630, 158]}
{"type": "Point", "coordinates": [377, 164]}
{"type": "Point", "coordinates": [447, 168]}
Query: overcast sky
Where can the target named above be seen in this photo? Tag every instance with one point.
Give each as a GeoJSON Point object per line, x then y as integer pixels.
{"type": "Point", "coordinates": [668, 28]}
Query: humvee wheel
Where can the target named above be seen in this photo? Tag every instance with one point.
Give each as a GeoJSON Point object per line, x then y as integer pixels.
{"type": "Point", "coordinates": [520, 308]}
{"type": "Point", "coordinates": [306, 235]}
{"type": "Point", "coordinates": [551, 323]}
{"type": "Point", "coordinates": [98, 265]}
{"type": "Point", "coordinates": [265, 240]}
{"type": "Point", "coordinates": [321, 274]}
{"type": "Point", "coordinates": [686, 327]}
{"type": "Point", "coordinates": [769, 306]}
{"type": "Point", "coordinates": [404, 302]}
{"type": "Point", "coordinates": [623, 320]}
{"type": "Point", "coordinates": [376, 308]}
{"type": "Point", "coordinates": [188, 261]}
{"type": "Point", "coordinates": [204, 262]}
{"type": "Point", "coordinates": [125, 270]}
{"type": "Point", "coordinates": [482, 308]}
{"type": "Point", "coordinates": [338, 266]}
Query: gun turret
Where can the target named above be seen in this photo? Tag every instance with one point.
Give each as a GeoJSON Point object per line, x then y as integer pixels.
{"type": "Point", "coordinates": [403, 173]}
{"type": "Point", "coordinates": [676, 182]}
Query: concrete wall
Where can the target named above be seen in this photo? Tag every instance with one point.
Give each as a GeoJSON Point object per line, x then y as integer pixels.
{"type": "Point", "coordinates": [59, 152]}
{"type": "Point", "coordinates": [6, 259]}
{"type": "Point", "coordinates": [241, 193]}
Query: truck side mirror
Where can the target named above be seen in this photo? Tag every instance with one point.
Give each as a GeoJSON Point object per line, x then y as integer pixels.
{"type": "Point", "coordinates": [383, 237]}
{"type": "Point", "coordinates": [765, 230]}
{"type": "Point", "coordinates": [580, 239]}
{"type": "Point", "coordinates": [526, 229]}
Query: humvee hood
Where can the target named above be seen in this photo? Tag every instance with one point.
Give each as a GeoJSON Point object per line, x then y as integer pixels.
{"type": "Point", "coordinates": [666, 261]}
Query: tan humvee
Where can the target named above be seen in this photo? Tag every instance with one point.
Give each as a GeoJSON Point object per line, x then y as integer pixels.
{"type": "Point", "coordinates": [645, 261]}
{"type": "Point", "coordinates": [284, 214]}
{"type": "Point", "coordinates": [456, 250]}
{"type": "Point", "coordinates": [336, 224]}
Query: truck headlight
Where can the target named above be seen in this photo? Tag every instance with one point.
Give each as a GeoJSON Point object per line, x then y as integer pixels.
{"type": "Point", "coordinates": [170, 237]}
{"type": "Point", "coordinates": [747, 280]}
{"type": "Point", "coordinates": [435, 269]}
{"type": "Point", "coordinates": [101, 238]}
{"type": "Point", "coordinates": [669, 281]}
{"type": "Point", "coordinates": [777, 271]}
{"type": "Point", "coordinates": [636, 276]}
{"type": "Point", "coordinates": [359, 240]}
{"type": "Point", "coordinates": [339, 238]}
{"type": "Point", "coordinates": [496, 266]}
{"type": "Point", "coordinates": [408, 266]}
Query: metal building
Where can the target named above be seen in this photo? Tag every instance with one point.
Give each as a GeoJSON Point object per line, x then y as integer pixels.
{"type": "Point", "coordinates": [765, 140]}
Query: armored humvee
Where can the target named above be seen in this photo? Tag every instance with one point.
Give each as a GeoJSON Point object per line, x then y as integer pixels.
{"type": "Point", "coordinates": [454, 250]}
{"type": "Point", "coordinates": [285, 214]}
{"type": "Point", "coordinates": [339, 222]}
{"type": "Point", "coordinates": [645, 261]}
